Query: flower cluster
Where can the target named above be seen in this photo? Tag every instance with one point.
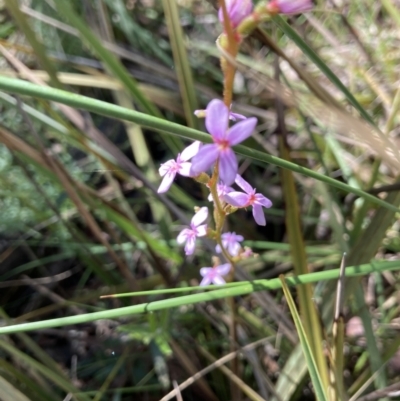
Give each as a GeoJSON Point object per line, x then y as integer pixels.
{"type": "Point", "coordinates": [203, 158]}
{"type": "Point", "coordinates": [198, 159]}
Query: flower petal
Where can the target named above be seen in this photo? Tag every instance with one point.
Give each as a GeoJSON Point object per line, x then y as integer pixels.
{"type": "Point", "coordinates": [218, 280]}
{"type": "Point", "coordinates": [217, 119]}
{"type": "Point", "coordinates": [258, 215]}
{"type": "Point", "coordinates": [200, 216]}
{"type": "Point", "coordinates": [238, 199]}
{"type": "Point", "coordinates": [228, 166]}
{"type": "Point", "coordinates": [166, 183]}
{"type": "Point", "coordinates": [223, 270]}
{"type": "Point", "coordinates": [201, 230]}
{"type": "Point", "coordinates": [294, 6]}
{"type": "Point", "coordinates": [237, 10]}
{"type": "Point", "coordinates": [190, 151]}
{"type": "Point", "coordinates": [236, 116]}
{"type": "Point", "coordinates": [238, 238]}
{"type": "Point", "coordinates": [218, 249]}
{"type": "Point", "coordinates": [190, 245]}
{"type": "Point", "coordinates": [262, 200]}
{"type": "Point", "coordinates": [183, 236]}
{"type": "Point", "coordinates": [233, 248]}
{"type": "Point", "coordinates": [166, 167]}
{"type": "Point", "coordinates": [241, 131]}
{"type": "Point", "coordinates": [185, 169]}
{"type": "Point", "coordinates": [205, 271]}
{"type": "Point", "coordinates": [204, 159]}
{"type": "Point", "coordinates": [244, 184]}
{"type": "Point", "coordinates": [206, 281]}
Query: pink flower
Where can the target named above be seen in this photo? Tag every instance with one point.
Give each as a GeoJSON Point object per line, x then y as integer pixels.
{"type": "Point", "coordinates": [169, 169]}
{"type": "Point", "coordinates": [222, 190]}
{"type": "Point", "coordinates": [217, 118]}
{"type": "Point", "coordinates": [213, 274]}
{"type": "Point", "coordinates": [238, 10]}
{"type": "Point", "coordinates": [189, 235]}
{"type": "Point", "coordinates": [231, 242]}
{"type": "Point", "coordinates": [291, 6]}
{"type": "Point", "coordinates": [250, 198]}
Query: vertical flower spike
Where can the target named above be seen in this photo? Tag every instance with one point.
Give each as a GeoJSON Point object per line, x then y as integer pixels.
{"type": "Point", "coordinates": [196, 229]}
{"type": "Point", "coordinates": [250, 198]}
{"type": "Point", "coordinates": [213, 274]}
{"type": "Point", "coordinates": [290, 6]}
{"type": "Point", "coordinates": [231, 242]}
{"type": "Point", "coordinates": [217, 119]}
{"type": "Point", "coordinates": [238, 10]}
{"type": "Point", "coordinates": [171, 168]}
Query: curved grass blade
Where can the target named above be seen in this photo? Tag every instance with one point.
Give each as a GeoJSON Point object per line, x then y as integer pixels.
{"type": "Point", "coordinates": [110, 110]}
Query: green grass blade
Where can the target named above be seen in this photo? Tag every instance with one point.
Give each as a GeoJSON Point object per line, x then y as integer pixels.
{"type": "Point", "coordinates": [291, 375]}
{"type": "Point", "coordinates": [182, 66]}
{"type": "Point", "coordinates": [241, 288]}
{"type": "Point", "coordinates": [319, 385]}
{"type": "Point", "coordinates": [372, 343]}
{"type": "Point", "coordinates": [10, 393]}
{"type": "Point", "coordinates": [38, 48]}
{"type": "Point", "coordinates": [107, 109]}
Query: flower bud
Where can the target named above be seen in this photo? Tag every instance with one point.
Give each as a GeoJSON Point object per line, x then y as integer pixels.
{"type": "Point", "coordinates": [290, 6]}
{"type": "Point", "coordinates": [237, 10]}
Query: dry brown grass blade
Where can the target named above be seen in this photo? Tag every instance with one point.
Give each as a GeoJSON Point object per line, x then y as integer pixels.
{"type": "Point", "coordinates": [246, 389]}
{"type": "Point", "coordinates": [186, 362]}
{"type": "Point", "coordinates": [211, 367]}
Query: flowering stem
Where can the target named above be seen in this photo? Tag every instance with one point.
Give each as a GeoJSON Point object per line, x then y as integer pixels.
{"type": "Point", "coordinates": [213, 189]}
{"type": "Point", "coordinates": [230, 43]}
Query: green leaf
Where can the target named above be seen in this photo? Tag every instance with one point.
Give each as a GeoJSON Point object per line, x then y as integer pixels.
{"type": "Point", "coordinates": [305, 345]}
{"type": "Point", "coordinates": [10, 393]}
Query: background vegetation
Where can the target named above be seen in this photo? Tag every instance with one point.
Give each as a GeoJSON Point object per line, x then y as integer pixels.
{"type": "Point", "coordinates": [80, 216]}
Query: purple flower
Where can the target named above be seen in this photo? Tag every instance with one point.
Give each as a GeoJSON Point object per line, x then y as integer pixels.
{"type": "Point", "coordinates": [237, 10]}
{"type": "Point", "coordinates": [217, 118]}
{"type": "Point", "coordinates": [231, 242]}
{"type": "Point", "coordinates": [213, 274]}
{"type": "Point", "coordinates": [291, 6]}
{"type": "Point", "coordinates": [222, 190]}
{"type": "Point", "coordinates": [169, 169]}
{"type": "Point", "coordinates": [189, 235]}
{"type": "Point", "coordinates": [250, 198]}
